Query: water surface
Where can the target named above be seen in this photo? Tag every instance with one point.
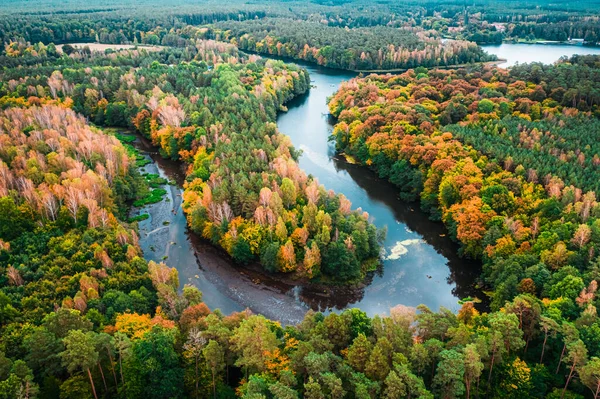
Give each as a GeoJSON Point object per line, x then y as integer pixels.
{"type": "Point", "coordinates": [521, 53]}
{"type": "Point", "coordinates": [420, 264]}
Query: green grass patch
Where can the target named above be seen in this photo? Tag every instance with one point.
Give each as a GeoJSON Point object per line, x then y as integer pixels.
{"type": "Point", "coordinates": [154, 180]}
{"type": "Point", "coordinates": [125, 138]}
{"type": "Point", "coordinates": [138, 218]}
{"type": "Point", "coordinates": [155, 195]}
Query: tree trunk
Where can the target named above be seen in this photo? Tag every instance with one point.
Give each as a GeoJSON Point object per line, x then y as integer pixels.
{"type": "Point", "coordinates": [468, 386]}
{"type": "Point", "coordinates": [597, 391]}
{"type": "Point", "coordinates": [121, 370]}
{"type": "Point", "coordinates": [214, 386]}
{"type": "Point", "coordinates": [103, 379]}
{"type": "Point", "coordinates": [92, 382]}
{"type": "Point", "coordinates": [112, 366]}
{"type": "Point", "coordinates": [561, 358]}
{"type": "Point", "coordinates": [491, 368]}
{"type": "Point", "coordinates": [196, 376]}
{"type": "Point", "coordinates": [568, 380]}
{"type": "Point", "coordinates": [543, 347]}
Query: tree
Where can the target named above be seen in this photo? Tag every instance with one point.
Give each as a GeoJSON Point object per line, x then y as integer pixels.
{"type": "Point", "coordinates": [570, 335]}
{"type": "Point", "coordinates": [377, 367]}
{"type": "Point", "coordinates": [152, 368]}
{"type": "Point", "coordinates": [472, 365]}
{"type": "Point", "coordinates": [61, 322]}
{"type": "Point", "coordinates": [313, 390]}
{"type": "Point", "coordinates": [80, 354]}
{"type": "Point", "coordinates": [550, 327]}
{"type": "Point", "coordinates": [215, 358]}
{"type": "Point", "coordinates": [289, 192]}
{"type": "Point", "coordinates": [394, 387]}
{"type": "Point", "coordinates": [359, 352]}
{"type": "Point", "coordinates": [44, 352]}
{"type": "Point", "coordinates": [504, 336]}
{"type": "Point", "coordinates": [589, 374]}
{"type": "Point", "coordinates": [450, 374]}
{"type": "Point", "coordinates": [68, 49]}
{"type": "Point", "coordinates": [402, 383]}
{"type": "Point", "coordinates": [193, 349]}
{"type": "Point", "coordinates": [105, 344]}
{"type": "Point", "coordinates": [528, 311]}
{"type": "Point", "coordinates": [577, 357]}
{"type": "Point", "coordinates": [14, 220]}
{"type": "Point", "coordinates": [122, 346]}
{"type": "Point", "coordinates": [251, 341]}
{"type": "Point", "coordinates": [582, 235]}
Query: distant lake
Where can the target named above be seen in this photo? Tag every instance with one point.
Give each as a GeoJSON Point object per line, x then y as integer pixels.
{"type": "Point", "coordinates": [546, 53]}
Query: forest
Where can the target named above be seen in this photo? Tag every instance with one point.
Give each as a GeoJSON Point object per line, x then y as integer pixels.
{"type": "Point", "coordinates": [507, 159]}
{"type": "Point", "coordinates": [406, 34]}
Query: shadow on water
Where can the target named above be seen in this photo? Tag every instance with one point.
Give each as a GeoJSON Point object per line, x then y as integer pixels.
{"type": "Point", "coordinates": [463, 271]}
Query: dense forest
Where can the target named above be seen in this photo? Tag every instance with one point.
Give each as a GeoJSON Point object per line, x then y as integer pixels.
{"type": "Point", "coordinates": [295, 24]}
{"type": "Point", "coordinates": [245, 191]}
{"type": "Point", "coordinates": [507, 159]}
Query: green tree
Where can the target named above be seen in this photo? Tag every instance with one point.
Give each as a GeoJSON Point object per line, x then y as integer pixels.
{"type": "Point", "coordinates": [377, 367]}
{"type": "Point", "coordinates": [215, 359]}
{"type": "Point", "coordinates": [80, 354]}
{"type": "Point", "coordinates": [250, 341]}
{"type": "Point", "coordinates": [473, 366]}
{"type": "Point", "coordinates": [589, 374]}
{"type": "Point", "coordinates": [152, 369]}
{"type": "Point", "coordinates": [192, 349]}
{"type": "Point", "coordinates": [450, 374]}
{"type": "Point", "coordinates": [359, 353]}
{"type": "Point", "coordinates": [576, 357]}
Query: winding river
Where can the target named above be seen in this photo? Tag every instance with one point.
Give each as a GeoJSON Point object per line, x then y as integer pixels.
{"type": "Point", "coordinates": [420, 264]}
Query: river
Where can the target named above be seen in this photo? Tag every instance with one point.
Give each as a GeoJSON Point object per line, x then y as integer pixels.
{"type": "Point", "coordinates": [420, 264]}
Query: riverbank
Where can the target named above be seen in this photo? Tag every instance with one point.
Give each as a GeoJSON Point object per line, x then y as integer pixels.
{"type": "Point", "coordinates": [421, 265]}
{"type": "Point", "coordinates": [305, 63]}
{"type": "Point", "coordinates": [497, 62]}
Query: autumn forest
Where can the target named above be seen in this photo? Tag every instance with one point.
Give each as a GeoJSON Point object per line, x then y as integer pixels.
{"type": "Point", "coordinates": [505, 160]}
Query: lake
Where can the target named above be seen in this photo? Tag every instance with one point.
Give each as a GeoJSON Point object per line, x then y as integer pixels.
{"type": "Point", "coordinates": [522, 53]}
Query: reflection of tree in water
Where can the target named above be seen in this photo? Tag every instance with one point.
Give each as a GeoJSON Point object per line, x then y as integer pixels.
{"type": "Point", "coordinates": [463, 272]}
{"type": "Point", "coordinates": [337, 297]}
